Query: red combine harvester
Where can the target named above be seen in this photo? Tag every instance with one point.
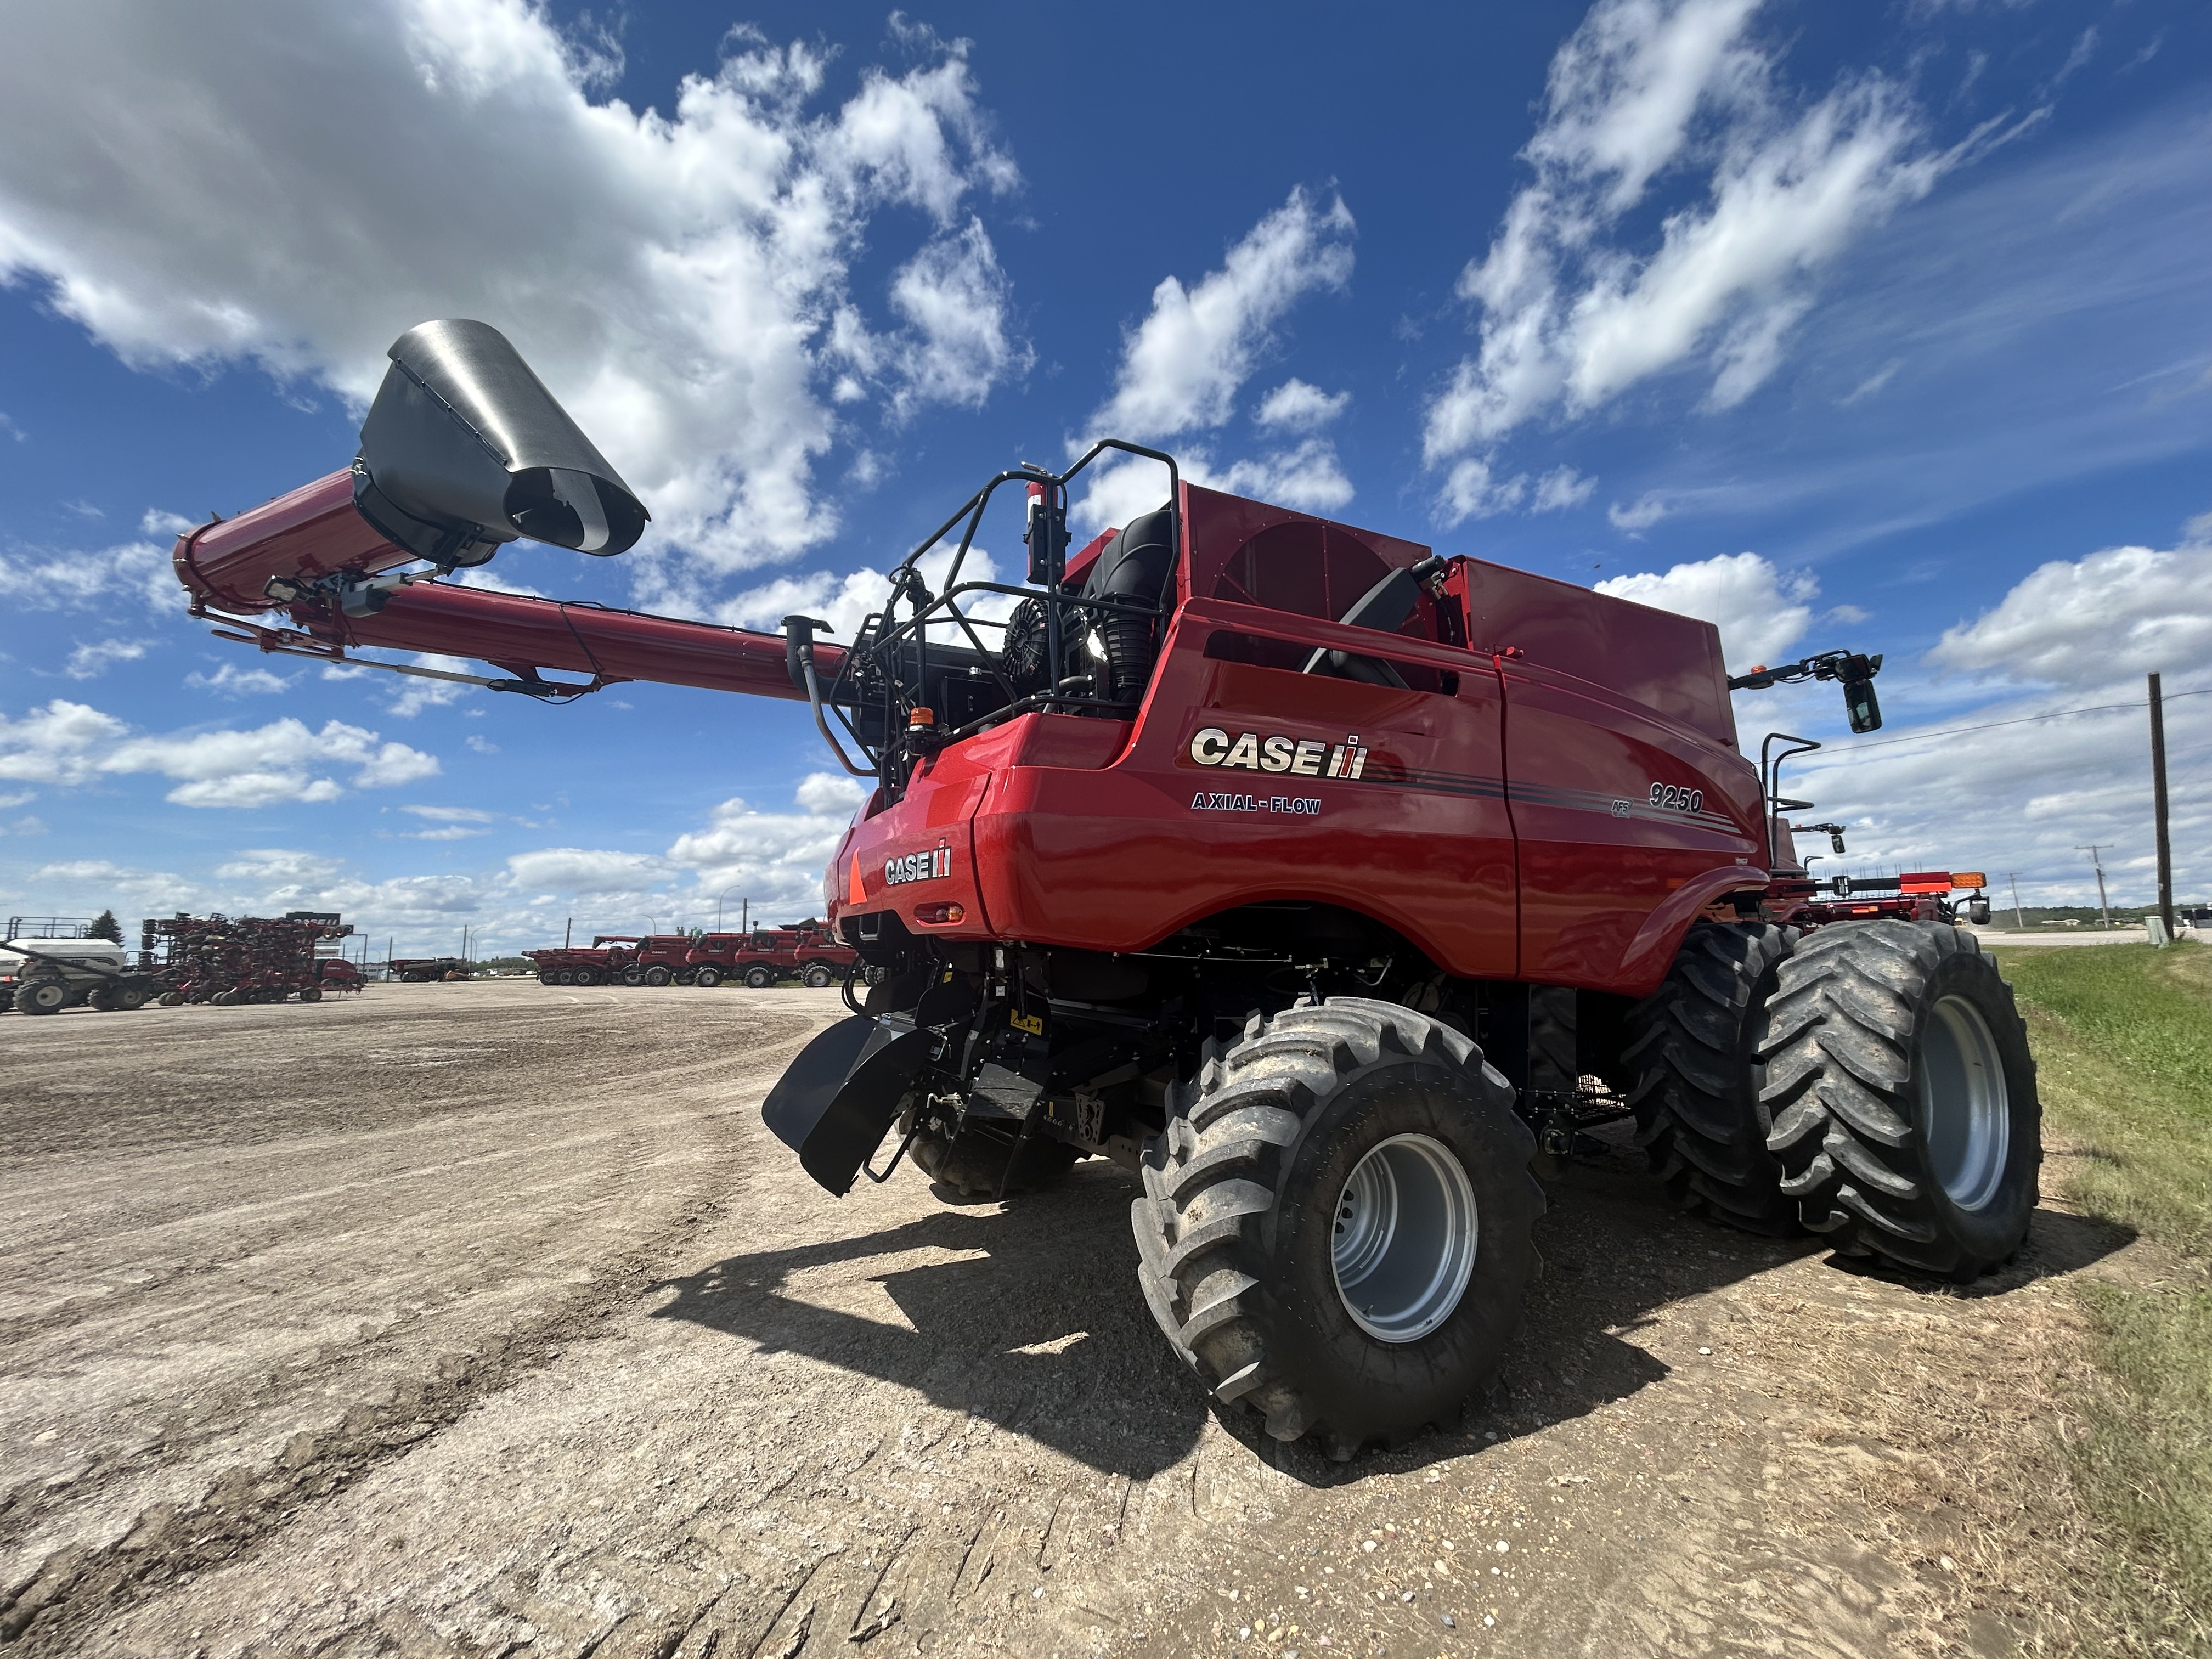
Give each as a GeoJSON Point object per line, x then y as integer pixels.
{"type": "Point", "coordinates": [1331, 887]}
{"type": "Point", "coordinates": [805, 950]}
{"type": "Point", "coordinates": [601, 963]}
{"type": "Point", "coordinates": [662, 959]}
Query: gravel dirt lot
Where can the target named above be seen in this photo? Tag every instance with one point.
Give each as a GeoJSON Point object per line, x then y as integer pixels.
{"type": "Point", "coordinates": [489, 1320]}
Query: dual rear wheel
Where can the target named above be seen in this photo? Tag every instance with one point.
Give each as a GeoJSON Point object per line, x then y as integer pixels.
{"type": "Point", "coordinates": [1869, 1082]}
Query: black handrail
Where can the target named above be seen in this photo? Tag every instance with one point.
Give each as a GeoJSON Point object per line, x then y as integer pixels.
{"type": "Point", "coordinates": [883, 639]}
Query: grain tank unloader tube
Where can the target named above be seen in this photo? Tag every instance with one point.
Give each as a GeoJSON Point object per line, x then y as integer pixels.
{"type": "Point", "coordinates": [1335, 889]}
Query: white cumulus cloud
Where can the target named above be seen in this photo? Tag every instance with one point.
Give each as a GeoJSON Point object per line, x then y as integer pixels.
{"type": "Point", "coordinates": [175, 182]}
{"type": "Point", "coordinates": [1299, 407]}
{"type": "Point", "coordinates": [1183, 365]}
{"type": "Point", "coordinates": [1574, 310]}
{"type": "Point", "coordinates": [1761, 612]}
{"type": "Point", "coordinates": [2123, 612]}
{"type": "Point", "coordinates": [229, 680]}
{"type": "Point", "coordinates": [72, 744]}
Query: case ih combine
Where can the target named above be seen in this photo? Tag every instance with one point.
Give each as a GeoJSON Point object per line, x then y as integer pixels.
{"type": "Point", "coordinates": [1329, 886]}
{"type": "Point", "coordinates": [805, 950]}
{"type": "Point", "coordinates": [600, 964]}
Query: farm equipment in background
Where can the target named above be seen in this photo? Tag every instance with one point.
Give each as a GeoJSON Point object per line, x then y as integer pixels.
{"type": "Point", "coordinates": [1332, 888]}
{"type": "Point", "coordinates": [661, 959]}
{"type": "Point", "coordinates": [428, 971]}
{"type": "Point", "coordinates": [600, 964]}
{"type": "Point", "coordinates": [1942, 896]}
{"type": "Point", "coordinates": [48, 964]}
{"type": "Point", "coordinates": [229, 960]}
{"type": "Point", "coordinates": [804, 950]}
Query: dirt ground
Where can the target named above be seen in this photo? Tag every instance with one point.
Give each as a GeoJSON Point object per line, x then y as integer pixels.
{"type": "Point", "coordinates": [489, 1320]}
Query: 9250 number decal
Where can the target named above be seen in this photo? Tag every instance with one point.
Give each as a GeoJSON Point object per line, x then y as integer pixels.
{"type": "Point", "coordinates": [1675, 800]}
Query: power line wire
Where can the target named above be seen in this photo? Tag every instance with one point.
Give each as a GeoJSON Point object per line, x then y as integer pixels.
{"type": "Point", "coordinates": [2025, 720]}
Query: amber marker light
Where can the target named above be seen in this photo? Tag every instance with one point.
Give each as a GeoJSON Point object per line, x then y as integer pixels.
{"type": "Point", "coordinates": [940, 915]}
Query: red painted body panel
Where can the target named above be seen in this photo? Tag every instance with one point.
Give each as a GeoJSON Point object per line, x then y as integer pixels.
{"type": "Point", "coordinates": [313, 531]}
{"type": "Point", "coordinates": [1598, 856]}
{"type": "Point", "coordinates": [1504, 824]}
{"type": "Point", "coordinates": [517, 632]}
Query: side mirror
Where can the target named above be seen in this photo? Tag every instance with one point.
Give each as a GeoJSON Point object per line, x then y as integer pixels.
{"type": "Point", "coordinates": [1860, 702]}
{"type": "Point", "coordinates": [464, 449]}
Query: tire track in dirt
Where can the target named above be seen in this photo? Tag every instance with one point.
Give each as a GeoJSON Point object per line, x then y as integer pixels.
{"type": "Point", "coordinates": [778, 1423]}
{"type": "Point", "coordinates": [208, 1474]}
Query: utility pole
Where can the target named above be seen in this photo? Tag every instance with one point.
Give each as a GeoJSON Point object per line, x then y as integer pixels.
{"type": "Point", "coordinates": [744, 915]}
{"type": "Point", "coordinates": [2157, 807]}
{"type": "Point", "coordinates": [2104, 909]}
{"type": "Point", "coordinates": [2018, 920]}
{"type": "Point", "coordinates": [568, 933]}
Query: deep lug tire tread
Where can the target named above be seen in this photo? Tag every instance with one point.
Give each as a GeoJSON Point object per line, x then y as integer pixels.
{"type": "Point", "coordinates": [1214, 1183]}
{"type": "Point", "coordinates": [1839, 1046]}
{"type": "Point", "coordinates": [1695, 1096]}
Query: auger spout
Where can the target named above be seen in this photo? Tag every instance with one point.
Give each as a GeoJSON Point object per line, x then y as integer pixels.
{"type": "Point", "coordinates": [464, 451]}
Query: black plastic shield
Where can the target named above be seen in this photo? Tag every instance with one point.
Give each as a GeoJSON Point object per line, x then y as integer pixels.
{"type": "Point", "coordinates": [464, 449]}
{"type": "Point", "coordinates": [834, 1104]}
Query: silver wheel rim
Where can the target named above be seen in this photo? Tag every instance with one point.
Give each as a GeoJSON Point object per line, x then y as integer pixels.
{"type": "Point", "coordinates": [1405, 1231]}
{"type": "Point", "coordinates": [1964, 1108]}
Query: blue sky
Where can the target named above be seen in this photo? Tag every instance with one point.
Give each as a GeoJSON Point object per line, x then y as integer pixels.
{"type": "Point", "coordinates": [1887, 327]}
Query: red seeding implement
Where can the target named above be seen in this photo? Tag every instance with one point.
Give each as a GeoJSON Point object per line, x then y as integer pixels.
{"type": "Point", "coordinates": [1331, 887]}
{"type": "Point", "coordinates": [228, 960]}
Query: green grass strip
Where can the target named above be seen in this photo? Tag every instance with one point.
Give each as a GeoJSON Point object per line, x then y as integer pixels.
{"type": "Point", "coordinates": [2123, 1039]}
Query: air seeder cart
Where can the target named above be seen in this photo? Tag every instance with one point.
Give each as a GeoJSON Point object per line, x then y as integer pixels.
{"type": "Point", "coordinates": [1328, 885]}
{"type": "Point", "coordinates": [48, 964]}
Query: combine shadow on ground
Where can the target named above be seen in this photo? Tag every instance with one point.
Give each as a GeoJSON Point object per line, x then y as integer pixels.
{"type": "Point", "coordinates": [1040, 1330]}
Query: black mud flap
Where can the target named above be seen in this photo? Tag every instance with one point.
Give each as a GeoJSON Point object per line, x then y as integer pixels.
{"type": "Point", "coordinates": [834, 1104]}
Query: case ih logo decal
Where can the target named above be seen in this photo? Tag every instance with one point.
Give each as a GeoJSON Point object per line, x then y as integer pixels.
{"type": "Point", "coordinates": [1262, 751]}
{"type": "Point", "coordinates": [933, 865]}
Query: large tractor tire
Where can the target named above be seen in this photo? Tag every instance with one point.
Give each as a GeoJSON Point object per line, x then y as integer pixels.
{"type": "Point", "coordinates": [633, 977]}
{"type": "Point", "coordinates": [311, 993]}
{"type": "Point", "coordinates": [1903, 1096]}
{"type": "Point", "coordinates": [1692, 1045]}
{"type": "Point", "coordinates": [979, 1163]}
{"type": "Point", "coordinates": [587, 977]}
{"type": "Point", "coordinates": [1337, 1224]}
{"type": "Point", "coordinates": [549, 977]}
{"type": "Point", "coordinates": [42, 996]}
{"type": "Point", "coordinates": [708, 978]}
{"type": "Point", "coordinates": [657, 977]}
{"type": "Point", "coordinates": [819, 978]}
{"type": "Point", "coordinates": [759, 978]}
